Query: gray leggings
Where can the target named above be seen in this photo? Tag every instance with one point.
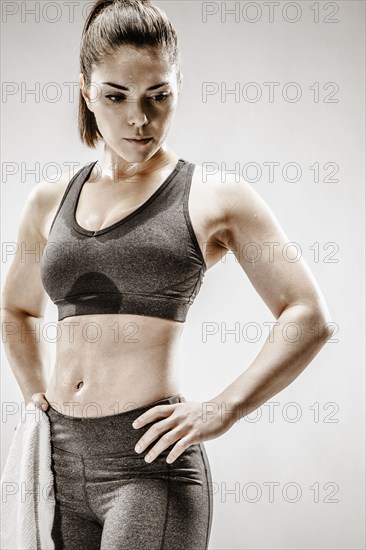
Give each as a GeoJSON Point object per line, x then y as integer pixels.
{"type": "Point", "coordinates": [109, 498]}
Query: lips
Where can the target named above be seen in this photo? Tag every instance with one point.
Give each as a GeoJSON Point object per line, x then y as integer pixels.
{"type": "Point", "coordinates": [138, 138]}
{"type": "Point", "coordinates": [139, 141]}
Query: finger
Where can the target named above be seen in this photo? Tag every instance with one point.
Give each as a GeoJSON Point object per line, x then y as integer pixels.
{"type": "Point", "coordinates": [164, 442]}
{"type": "Point", "coordinates": [35, 399]}
{"type": "Point", "coordinates": [156, 430]}
{"type": "Point", "coordinates": [179, 448]}
{"type": "Point", "coordinates": [40, 401]}
{"type": "Point", "coordinates": [152, 414]}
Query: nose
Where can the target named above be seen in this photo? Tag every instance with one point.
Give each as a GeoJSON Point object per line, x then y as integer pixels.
{"type": "Point", "coordinates": [136, 115]}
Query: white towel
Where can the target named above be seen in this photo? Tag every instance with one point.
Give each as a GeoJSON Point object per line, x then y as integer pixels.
{"type": "Point", "coordinates": [27, 485]}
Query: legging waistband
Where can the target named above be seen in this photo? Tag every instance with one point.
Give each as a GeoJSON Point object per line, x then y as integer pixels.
{"type": "Point", "coordinates": [176, 398]}
{"type": "Point", "coordinates": [102, 434]}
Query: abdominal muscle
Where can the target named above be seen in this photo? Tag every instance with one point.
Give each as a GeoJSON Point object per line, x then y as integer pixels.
{"type": "Point", "coordinates": [111, 363]}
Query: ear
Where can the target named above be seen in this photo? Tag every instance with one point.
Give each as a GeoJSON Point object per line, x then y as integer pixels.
{"type": "Point", "coordinates": [85, 92]}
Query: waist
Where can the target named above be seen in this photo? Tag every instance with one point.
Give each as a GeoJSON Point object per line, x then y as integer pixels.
{"type": "Point", "coordinates": [105, 385]}
{"type": "Point", "coordinates": [131, 360]}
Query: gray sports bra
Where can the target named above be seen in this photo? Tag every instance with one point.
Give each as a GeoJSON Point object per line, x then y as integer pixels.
{"type": "Point", "coordinates": [149, 263]}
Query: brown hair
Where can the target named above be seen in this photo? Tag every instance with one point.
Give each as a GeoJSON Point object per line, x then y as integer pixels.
{"type": "Point", "coordinates": [114, 23]}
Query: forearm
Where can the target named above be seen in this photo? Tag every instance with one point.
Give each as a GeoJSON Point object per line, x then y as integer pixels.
{"type": "Point", "coordinates": [279, 362]}
{"type": "Point", "coordinates": [26, 351]}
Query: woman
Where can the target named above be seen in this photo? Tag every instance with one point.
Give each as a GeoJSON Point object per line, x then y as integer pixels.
{"type": "Point", "coordinates": [123, 263]}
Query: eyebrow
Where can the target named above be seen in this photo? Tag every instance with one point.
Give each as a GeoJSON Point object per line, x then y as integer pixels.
{"type": "Point", "coordinates": [119, 87]}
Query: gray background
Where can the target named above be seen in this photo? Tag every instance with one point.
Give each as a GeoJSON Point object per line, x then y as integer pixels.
{"type": "Point", "coordinates": [320, 456]}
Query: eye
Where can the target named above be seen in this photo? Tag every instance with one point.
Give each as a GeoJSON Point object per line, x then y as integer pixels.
{"type": "Point", "coordinates": [119, 98]}
{"type": "Point", "coordinates": [115, 98]}
{"type": "Point", "coordinates": [159, 98]}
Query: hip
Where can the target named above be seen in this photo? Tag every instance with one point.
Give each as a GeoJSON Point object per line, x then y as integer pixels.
{"type": "Point", "coordinates": [104, 449]}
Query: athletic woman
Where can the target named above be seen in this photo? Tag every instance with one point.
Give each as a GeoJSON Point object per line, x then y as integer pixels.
{"type": "Point", "coordinates": [125, 246]}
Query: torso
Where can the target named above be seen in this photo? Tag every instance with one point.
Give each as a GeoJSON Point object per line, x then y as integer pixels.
{"type": "Point", "coordinates": [108, 363]}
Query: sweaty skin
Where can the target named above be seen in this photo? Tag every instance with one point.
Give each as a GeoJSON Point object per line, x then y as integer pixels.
{"type": "Point", "coordinates": [109, 363]}
{"type": "Point", "coordinates": [127, 361]}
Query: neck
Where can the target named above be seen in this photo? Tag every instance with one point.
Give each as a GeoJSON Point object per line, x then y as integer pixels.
{"type": "Point", "coordinates": [112, 166]}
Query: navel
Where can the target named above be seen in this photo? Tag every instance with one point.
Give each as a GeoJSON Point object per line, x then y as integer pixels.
{"type": "Point", "coordinates": [79, 385]}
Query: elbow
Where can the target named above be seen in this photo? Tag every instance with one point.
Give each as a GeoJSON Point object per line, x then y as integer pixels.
{"type": "Point", "coordinates": [329, 330]}
{"type": "Point", "coordinates": [317, 318]}
{"type": "Point", "coordinates": [322, 321]}
{"type": "Point", "coordinates": [326, 329]}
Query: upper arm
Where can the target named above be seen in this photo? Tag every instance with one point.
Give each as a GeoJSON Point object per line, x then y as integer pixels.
{"type": "Point", "coordinates": [23, 290]}
{"type": "Point", "coordinates": [264, 252]}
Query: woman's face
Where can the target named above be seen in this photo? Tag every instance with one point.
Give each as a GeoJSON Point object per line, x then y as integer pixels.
{"type": "Point", "coordinates": [133, 93]}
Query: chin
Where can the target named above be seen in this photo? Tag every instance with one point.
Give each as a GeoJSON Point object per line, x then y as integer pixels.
{"type": "Point", "coordinates": [138, 155]}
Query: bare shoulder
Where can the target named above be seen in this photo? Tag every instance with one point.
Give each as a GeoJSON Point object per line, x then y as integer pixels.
{"type": "Point", "coordinates": [251, 230]}
{"type": "Point", "coordinates": [46, 197]}
{"type": "Point", "coordinates": [228, 200]}
{"type": "Point", "coordinates": [23, 290]}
